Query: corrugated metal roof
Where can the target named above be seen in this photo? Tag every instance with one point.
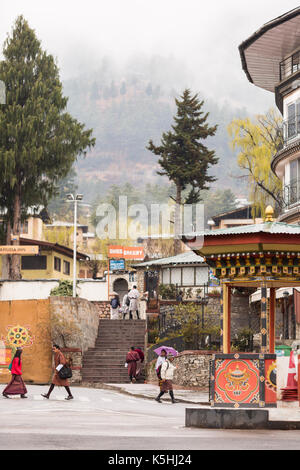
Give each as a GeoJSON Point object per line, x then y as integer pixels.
{"type": "Point", "coordinates": [189, 257]}
{"type": "Point", "coordinates": [262, 52]}
{"type": "Point", "coordinates": [266, 227]}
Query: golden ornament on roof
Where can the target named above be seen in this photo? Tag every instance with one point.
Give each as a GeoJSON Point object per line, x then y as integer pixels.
{"type": "Point", "coordinates": [269, 214]}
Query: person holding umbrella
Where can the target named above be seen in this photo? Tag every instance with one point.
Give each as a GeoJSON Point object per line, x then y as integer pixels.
{"type": "Point", "coordinates": [16, 386]}
{"type": "Point", "coordinates": [160, 360]}
{"type": "Point", "coordinates": [167, 374]}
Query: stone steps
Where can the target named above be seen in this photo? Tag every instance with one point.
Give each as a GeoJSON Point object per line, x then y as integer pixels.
{"type": "Point", "coordinates": [105, 361]}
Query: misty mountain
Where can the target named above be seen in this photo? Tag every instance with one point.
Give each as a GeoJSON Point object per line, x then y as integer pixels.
{"type": "Point", "coordinates": [129, 105]}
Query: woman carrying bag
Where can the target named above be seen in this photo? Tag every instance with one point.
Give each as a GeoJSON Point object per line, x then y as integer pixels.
{"type": "Point", "coordinates": [16, 386]}
{"type": "Point", "coordinates": [59, 362]}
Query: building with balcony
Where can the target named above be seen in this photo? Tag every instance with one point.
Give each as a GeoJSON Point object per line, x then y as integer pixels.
{"type": "Point", "coordinates": [271, 60]}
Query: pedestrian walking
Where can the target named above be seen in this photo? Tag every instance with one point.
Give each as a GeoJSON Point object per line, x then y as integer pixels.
{"type": "Point", "coordinates": [16, 385]}
{"type": "Point", "coordinates": [160, 360]}
{"type": "Point", "coordinates": [114, 307]}
{"type": "Point", "coordinates": [139, 364]}
{"type": "Point", "coordinates": [125, 304]}
{"type": "Point", "coordinates": [134, 304]}
{"type": "Point", "coordinates": [167, 374]}
{"type": "Point", "coordinates": [59, 362]}
{"type": "Point", "coordinates": [132, 358]}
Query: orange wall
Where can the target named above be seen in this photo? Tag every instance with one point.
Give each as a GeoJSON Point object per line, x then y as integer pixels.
{"type": "Point", "coordinates": [34, 318]}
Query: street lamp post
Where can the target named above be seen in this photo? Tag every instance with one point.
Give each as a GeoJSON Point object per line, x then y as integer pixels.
{"type": "Point", "coordinates": [74, 199]}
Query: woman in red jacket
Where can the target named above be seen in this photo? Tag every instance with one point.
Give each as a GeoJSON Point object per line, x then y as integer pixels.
{"type": "Point", "coordinates": [16, 386]}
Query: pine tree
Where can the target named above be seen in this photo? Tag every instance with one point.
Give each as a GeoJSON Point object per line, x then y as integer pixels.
{"type": "Point", "coordinates": [39, 141]}
{"type": "Point", "coordinates": [183, 156]}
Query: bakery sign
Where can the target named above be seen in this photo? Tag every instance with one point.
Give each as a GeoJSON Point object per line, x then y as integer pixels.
{"type": "Point", "coordinates": [127, 252]}
{"type": "Point", "coordinates": [19, 250]}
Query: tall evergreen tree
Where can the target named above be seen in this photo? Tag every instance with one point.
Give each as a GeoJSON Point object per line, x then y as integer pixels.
{"type": "Point", "coordinates": [39, 140]}
{"type": "Point", "coordinates": [183, 156]}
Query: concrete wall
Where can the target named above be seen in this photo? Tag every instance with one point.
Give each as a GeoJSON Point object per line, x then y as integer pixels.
{"type": "Point", "coordinates": [26, 290]}
{"type": "Point", "coordinates": [29, 324]}
{"type": "Point", "coordinates": [192, 369]}
{"type": "Point", "coordinates": [93, 290]}
{"type": "Point", "coordinates": [33, 318]}
{"type": "Point", "coordinates": [85, 316]}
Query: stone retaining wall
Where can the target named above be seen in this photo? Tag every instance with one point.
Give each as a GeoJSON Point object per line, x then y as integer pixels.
{"type": "Point", "coordinates": [86, 317]}
{"type": "Point", "coordinates": [83, 313]}
{"type": "Point", "coordinates": [76, 356]}
{"type": "Point", "coordinates": [103, 309]}
{"type": "Point", "coordinates": [192, 369]}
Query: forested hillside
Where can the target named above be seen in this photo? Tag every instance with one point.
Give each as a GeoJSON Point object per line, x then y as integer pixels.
{"type": "Point", "coordinates": [128, 105]}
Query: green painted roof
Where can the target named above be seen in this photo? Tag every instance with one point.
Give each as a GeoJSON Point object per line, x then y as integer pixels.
{"type": "Point", "coordinates": [188, 257]}
{"type": "Point", "coordinates": [266, 227]}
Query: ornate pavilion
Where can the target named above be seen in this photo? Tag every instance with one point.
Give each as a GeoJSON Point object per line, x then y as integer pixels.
{"type": "Point", "coordinates": [265, 256]}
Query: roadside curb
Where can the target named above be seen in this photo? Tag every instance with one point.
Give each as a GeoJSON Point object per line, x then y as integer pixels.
{"type": "Point", "coordinates": [235, 419]}
{"type": "Point", "coordinates": [141, 395]}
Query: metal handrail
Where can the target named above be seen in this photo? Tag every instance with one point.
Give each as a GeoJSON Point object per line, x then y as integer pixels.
{"type": "Point", "coordinates": [289, 65]}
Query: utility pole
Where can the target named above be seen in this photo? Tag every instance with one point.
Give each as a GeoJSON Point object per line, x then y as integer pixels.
{"type": "Point", "coordinates": [74, 199]}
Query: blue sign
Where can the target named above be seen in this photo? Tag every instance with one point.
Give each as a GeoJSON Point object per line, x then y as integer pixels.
{"type": "Point", "coordinates": [117, 264]}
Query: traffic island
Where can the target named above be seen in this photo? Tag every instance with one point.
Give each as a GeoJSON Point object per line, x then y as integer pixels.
{"type": "Point", "coordinates": [235, 419]}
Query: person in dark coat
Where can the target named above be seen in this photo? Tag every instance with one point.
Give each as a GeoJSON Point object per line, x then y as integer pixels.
{"type": "Point", "coordinates": [16, 386]}
{"type": "Point", "coordinates": [139, 364]}
{"type": "Point", "coordinates": [131, 359]}
{"type": "Point", "coordinates": [59, 359]}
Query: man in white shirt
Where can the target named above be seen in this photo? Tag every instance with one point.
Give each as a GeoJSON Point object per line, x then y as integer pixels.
{"type": "Point", "coordinates": [167, 374]}
{"type": "Point", "coordinates": [133, 295]}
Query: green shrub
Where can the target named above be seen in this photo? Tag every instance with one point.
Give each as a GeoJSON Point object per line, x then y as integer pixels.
{"type": "Point", "coordinates": [167, 291]}
{"type": "Point", "coordinates": [64, 289]}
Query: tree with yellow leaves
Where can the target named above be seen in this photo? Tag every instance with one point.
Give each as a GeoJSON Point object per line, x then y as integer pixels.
{"type": "Point", "coordinates": [258, 140]}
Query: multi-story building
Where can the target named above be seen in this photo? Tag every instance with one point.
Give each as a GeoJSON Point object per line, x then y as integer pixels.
{"type": "Point", "coordinates": [271, 60]}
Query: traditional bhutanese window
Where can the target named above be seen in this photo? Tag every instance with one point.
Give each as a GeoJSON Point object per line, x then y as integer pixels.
{"type": "Point", "coordinates": [34, 262]}
{"type": "Point", "coordinates": [66, 267]}
{"type": "Point", "coordinates": [57, 264]}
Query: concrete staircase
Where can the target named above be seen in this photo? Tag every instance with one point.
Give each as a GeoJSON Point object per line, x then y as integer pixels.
{"type": "Point", "coordinates": [105, 362]}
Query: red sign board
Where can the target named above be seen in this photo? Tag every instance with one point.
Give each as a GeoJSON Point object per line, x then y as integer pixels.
{"type": "Point", "coordinates": [127, 252]}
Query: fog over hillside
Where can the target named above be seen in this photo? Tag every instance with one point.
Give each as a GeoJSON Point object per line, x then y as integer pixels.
{"type": "Point", "coordinates": [126, 106]}
{"type": "Point", "coordinates": [123, 62]}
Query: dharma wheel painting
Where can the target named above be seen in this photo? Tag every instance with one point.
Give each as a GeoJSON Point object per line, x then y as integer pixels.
{"type": "Point", "coordinates": [18, 336]}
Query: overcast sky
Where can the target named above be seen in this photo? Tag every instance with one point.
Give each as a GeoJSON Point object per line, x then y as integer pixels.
{"type": "Point", "coordinates": [205, 34]}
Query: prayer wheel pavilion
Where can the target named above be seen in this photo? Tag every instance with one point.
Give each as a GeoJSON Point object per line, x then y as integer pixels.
{"type": "Point", "coordinates": [265, 256]}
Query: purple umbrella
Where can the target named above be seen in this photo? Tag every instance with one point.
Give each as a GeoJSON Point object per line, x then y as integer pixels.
{"type": "Point", "coordinates": [168, 350]}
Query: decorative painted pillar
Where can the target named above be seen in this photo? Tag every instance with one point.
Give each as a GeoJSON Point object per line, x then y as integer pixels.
{"type": "Point", "coordinates": [221, 320]}
{"type": "Point", "coordinates": [272, 320]}
{"type": "Point", "coordinates": [226, 318]}
{"type": "Point", "coordinates": [263, 319]}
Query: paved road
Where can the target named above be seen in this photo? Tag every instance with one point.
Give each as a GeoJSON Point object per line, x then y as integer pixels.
{"type": "Point", "coordinates": [103, 419]}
